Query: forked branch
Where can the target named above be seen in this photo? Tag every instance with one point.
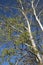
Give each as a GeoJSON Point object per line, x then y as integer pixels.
{"type": "Point", "coordinates": [29, 30]}
{"type": "Point", "coordinates": [38, 20]}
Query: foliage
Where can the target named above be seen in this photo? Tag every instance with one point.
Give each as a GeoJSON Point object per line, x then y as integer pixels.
{"type": "Point", "coordinates": [23, 38]}
{"type": "Point", "coordinates": [6, 52]}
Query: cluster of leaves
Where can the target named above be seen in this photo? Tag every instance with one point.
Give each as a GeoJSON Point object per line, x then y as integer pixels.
{"type": "Point", "coordinates": [6, 52]}
{"type": "Point", "coordinates": [23, 38]}
{"type": "Point", "coordinates": [9, 26]}
{"type": "Point", "coordinates": [19, 27]}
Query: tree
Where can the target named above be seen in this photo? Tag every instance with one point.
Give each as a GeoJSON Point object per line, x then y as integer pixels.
{"type": "Point", "coordinates": [21, 27]}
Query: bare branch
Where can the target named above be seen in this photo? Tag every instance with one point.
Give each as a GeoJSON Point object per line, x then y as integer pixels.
{"type": "Point", "coordinates": [37, 4]}
{"type": "Point", "coordinates": [16, 62]}
{"type": "Point", "coordinates": [21, 4]}
{"type": "Point", "coordinates": [37, 17]}
{"type": "Point", "coordinates": [40, 12]}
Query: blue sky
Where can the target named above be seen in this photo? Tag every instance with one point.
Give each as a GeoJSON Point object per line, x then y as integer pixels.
{"type": "Point", "coordinates": [13, 3]}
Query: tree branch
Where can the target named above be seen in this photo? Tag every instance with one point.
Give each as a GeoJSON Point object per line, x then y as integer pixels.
{"type": "Point", "coordinates": [36, 16]}
{"type": "Point", "coordinates": [31, 37]}
{"type": "Point", "coordinates": [40, 12]}
{"type": "Point", "coordinates": [37, 4]}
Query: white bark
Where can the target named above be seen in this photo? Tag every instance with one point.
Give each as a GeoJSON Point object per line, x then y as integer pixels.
{"type": "Point", "coordinates": [40, 12]}
{"type": "Point", "coordinates": [38, 20]}
{"type": "Point", "coordinates": [16, 62]}
{"type": "Point", "coordinates": [29, 30]}
{"type": "Point", "coordinates": [31, 37]}
{"type": "Point", "coordinates": [37, 4]}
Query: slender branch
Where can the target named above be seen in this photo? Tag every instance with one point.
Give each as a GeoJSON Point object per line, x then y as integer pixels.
{"type": "Point", "coordinates": [37, 4]}
{"type": "Point", "coordinates": [37, 16]}
{"type": "Point", "coordinates": [21, 4]}
{"type": "Point", "coordinates": [40, 12]}
{"type": "Point", "coordinates": [16, 62]}
{"type": "Point", "coordinates": [16, 28]}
